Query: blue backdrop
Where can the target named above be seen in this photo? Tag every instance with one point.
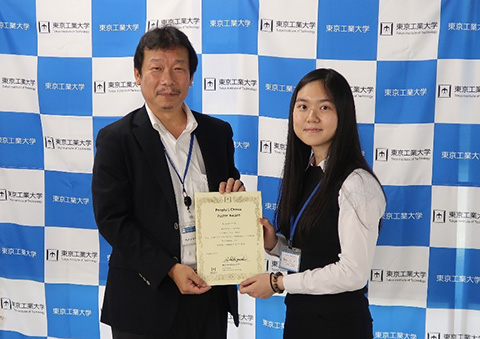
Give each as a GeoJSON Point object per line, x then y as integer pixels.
{"type": "Point", "coordinates": [66, 71]}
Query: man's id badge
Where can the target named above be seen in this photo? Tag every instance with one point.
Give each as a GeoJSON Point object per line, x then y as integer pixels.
{"type": "Point", "coordinates": [290, 259]}
{"type": "Point", "coordinates": [188, 235]}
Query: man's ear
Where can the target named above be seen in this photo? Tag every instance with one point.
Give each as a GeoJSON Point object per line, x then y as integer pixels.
{"type": "Point", "coordinates": [137, 76]}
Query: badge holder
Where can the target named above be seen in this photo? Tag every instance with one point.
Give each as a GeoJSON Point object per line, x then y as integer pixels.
{"type": "Point", "coordinates": [290, 259]}
{"type": "Point", "coordinates": [188, 234]}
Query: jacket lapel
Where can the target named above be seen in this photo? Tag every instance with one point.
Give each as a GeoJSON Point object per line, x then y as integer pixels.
{"type": "Point", "coordinates": [207, 147]}
{"type": "Point", "coordinates": [150, 143]}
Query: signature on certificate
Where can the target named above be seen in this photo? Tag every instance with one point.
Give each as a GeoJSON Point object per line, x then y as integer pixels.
{"type": "Point", "coordinates": [235, 259]}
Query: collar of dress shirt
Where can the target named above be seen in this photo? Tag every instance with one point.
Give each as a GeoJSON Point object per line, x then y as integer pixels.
{"type": "Point", "coordinates": [311, 162]}
{"type": "Point", "coordinates": [157, 124]}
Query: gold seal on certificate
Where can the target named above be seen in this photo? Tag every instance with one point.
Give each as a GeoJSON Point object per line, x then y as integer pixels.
{"type": "Point", "coordinates": [229, 236]}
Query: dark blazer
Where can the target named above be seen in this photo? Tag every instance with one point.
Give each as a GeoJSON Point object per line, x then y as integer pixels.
{"type": "Point", "coordinates": [135, 210]}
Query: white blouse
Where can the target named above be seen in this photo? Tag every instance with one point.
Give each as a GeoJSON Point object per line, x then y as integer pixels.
{"type": "Point", "coordinates": [362, 204]}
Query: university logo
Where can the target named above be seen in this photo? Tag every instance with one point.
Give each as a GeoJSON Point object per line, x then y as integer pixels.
{"type": "Point", "coordinates": [3, 194]}
{"type": "Point", "coordinates": [386, 28]}
{"type": "Point", "coordinates": [99, 87]}
{"type": "Point", "coordinates": [444, 91]}
{"type": "Point", "coordinates": [266, 25]}
{"type": "Point", "coordinates": [439, 216]}
{"type": "Point", "coordinates": [52, 255]}
{"type": "Point", "coordinates": [49, 143]}
{"type": "Point", "coordinates": [210, 84]}
{"type": "Point", "coordinates": [6, 304]}
{"type": "Point", "coordinates": [433, 335]}
{"type": "Point", "coordinates": [266, 146]}
{"type": "Point", "coordinates": [381, 154]}
{"type": "Point", "coordinates": [376, 275]}
{"type": "Point", "coordinates": [44, 27]}
{"type": "Point", "coordinates": [271, 264]}
{"type": "Point", "coordinates": [152, 24]}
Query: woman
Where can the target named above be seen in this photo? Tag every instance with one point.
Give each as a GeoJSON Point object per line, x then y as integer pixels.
{"type": "Point", "coordinates": [328, 216]}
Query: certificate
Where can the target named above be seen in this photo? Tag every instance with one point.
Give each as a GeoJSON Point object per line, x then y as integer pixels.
{"type": "Point", "coordinates": [229, 236]}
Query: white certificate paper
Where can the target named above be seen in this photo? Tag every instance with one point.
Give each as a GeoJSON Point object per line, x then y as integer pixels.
{"type": "Point", "coordinates": [229, 236]}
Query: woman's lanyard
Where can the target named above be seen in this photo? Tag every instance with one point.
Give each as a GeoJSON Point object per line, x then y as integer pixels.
{"type": "Point", "coordinates": [293, 223]}
{"type": "Point", "coordinates": [186, 199]}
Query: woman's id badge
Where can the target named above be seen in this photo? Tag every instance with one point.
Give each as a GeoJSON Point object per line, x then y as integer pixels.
{"type": "Point", "coordinates": [290, 259]}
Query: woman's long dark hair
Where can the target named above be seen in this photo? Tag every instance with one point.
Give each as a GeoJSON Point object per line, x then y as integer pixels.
{"type": "Point", "coordinates": [344, 155]}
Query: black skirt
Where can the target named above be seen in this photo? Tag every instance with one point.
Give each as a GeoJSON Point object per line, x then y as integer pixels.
{"type": "Point", "coordinates": [341, 316]}
{"type": "Point", "coordinates": [300, 325]}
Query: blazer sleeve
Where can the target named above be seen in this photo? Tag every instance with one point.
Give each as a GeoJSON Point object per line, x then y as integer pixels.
{"type": "Point", "coordinates": [232, 170]}
{"type": "Point", "coordinates": [215, 137]}
{"type": "Point", "coordinates": [119, 209]}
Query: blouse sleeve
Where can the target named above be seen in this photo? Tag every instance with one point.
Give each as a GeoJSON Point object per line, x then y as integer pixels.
{"type": "Point", "coordinates": [362, 204]}
{"type": "Point", "coordinates": [281, 243]}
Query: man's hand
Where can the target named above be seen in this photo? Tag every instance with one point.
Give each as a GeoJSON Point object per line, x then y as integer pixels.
{"type": "Point", "coordinates": [231, 185]}
{"type": "Point", "coordinates": [187, 281]}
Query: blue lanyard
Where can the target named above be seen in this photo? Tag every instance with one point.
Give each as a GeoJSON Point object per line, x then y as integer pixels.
{"type": "Point", "coordinates": [295, 223]}
{"type": "Point", "coordinates": [186, 199]}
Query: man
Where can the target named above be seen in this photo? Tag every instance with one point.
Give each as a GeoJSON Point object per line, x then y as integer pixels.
{"type": "Point", "coordinates": [148, 165]}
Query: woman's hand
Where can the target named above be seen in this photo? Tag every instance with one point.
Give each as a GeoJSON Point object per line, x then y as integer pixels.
{"type": "Point", "coordinates": [257, 286]}
{"type": "Point", "coordinates": [269, 236]}
{"type": "Point", "coordinates": [231, 185]}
